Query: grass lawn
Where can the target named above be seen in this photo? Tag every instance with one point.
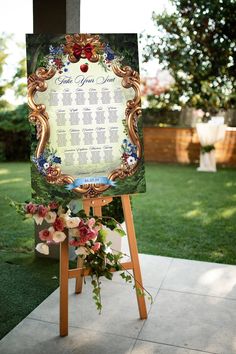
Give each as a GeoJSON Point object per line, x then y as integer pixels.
{"type": "Point", "coordinates": [185, 214]}
{"type": "Point", "coordinates": [25, 281]}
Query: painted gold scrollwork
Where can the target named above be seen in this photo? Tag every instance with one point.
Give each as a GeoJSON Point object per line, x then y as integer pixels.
{"type": "Point", "coordinates": [39, 116]}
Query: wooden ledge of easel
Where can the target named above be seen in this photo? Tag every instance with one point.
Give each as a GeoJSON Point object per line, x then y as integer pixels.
{"type": "Point", "coordinates": [74, 273]}
{"type": "Point", "coordinates": [97, 202]}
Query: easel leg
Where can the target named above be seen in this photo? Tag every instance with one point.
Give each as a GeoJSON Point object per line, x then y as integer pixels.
{"type": "Point", "coordinates": [79, 278]}
{"type": "Point", "coordinates": [134, 253]}
{"type": "Point", "coordinates": [64, 267]}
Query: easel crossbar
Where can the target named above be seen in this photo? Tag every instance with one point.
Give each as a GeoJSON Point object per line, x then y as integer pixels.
{"type": "Point", "coordinates": [74, 273]}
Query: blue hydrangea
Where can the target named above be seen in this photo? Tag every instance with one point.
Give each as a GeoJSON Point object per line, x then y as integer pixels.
{"type": "Point", "coordinates": [56, 159]}
{"type": "Point", "coordinates": [41, 160]}
{"type": "Point", "coordinates": [55, 50]}
{"type": "Point", "coordinates": [110, 55]}
{"type": "Point", "coordinates": [134, 155]}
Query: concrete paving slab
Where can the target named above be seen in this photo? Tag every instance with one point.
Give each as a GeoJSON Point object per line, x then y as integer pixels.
{"type": "Point", "coordinates": [201, 278]}
{"type": "Point", "coordinates": [142, 347]}
{"type": "Point", "coordinates": [186, 319]}
{"type": "Point", "coordinates": [119, 314]}
{"type": "Point", "coordinates": [37, 337]}
{"type": "Point", "coordinates": [154, 270]}
{"type": "Point", "coordinates": [193, 321]}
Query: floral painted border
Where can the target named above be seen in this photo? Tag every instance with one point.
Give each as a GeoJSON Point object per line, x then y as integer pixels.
{"type": "Point", "coordinates": [88, 47]}
{"type": "Point", "coordinates": [58, 56]}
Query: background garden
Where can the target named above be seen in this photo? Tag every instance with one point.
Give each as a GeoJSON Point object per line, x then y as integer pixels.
{"type": "Point", "coordinates": [184, 213]}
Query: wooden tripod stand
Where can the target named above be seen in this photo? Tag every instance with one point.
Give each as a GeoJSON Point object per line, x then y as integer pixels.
{"type": "Point", "coordinates": [80, 272]}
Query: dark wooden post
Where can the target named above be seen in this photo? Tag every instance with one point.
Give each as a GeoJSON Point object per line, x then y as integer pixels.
{"type": "Point", "coordinates": [55, 16]}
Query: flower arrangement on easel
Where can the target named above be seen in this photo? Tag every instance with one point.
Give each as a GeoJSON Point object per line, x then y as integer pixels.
{"type": "Point", "coordinates": [87, 234]}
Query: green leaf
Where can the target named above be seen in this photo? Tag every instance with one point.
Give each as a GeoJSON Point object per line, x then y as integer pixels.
{"type": "Point", "coordinates": [102, 235]}
{"type": "Point", "coordinates": [120, 231]}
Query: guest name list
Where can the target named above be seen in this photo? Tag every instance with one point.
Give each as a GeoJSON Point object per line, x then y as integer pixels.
{"type": "Point", "coordinates": [85, 115]}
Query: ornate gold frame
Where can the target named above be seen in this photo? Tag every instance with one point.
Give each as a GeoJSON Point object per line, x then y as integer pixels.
{"type": "Point", "coordinates": [39, 117]}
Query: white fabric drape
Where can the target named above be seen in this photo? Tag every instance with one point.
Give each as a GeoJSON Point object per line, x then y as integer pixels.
{"type": "Point", "coordinates": [209, 134]}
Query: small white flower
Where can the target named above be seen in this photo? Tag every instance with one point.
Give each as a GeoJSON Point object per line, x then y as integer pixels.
{"type": "Point", "coordinates": [38, 219]}
{"type": "Point", "coordinates": [42, 248]}
{"type": "Point", "coordinates": [72, 222]}
{"type": "Point", "coordinates": [58, 236]}
{"type": "Point", "coordinates": [46, 165]}
{"type": "Point", "coordinates": [50, 217]}
{"type": "Point", "coordinates": [81, 251]}
{"type": "Point", "coordinates": [74, 232]}
{"type": "Point", "coordinates": [62, 214]}
{"type": "Point", "coordinates": [50, 62]}
{"type": "Point", "coordinates": [108, 250]}
{"type": "Point", "coordinates": [131, 160]}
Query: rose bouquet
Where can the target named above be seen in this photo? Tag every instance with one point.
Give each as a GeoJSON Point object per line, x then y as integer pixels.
{"type": "Point", "coordinates": [88, 235]}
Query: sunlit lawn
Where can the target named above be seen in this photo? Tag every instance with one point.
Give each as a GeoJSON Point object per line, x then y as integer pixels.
{"type": "Point", "coordinates": [185, 214]}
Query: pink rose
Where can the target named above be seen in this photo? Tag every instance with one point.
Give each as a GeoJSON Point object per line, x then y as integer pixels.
{"type": "Point", "coordinates": [96, 246]}
{"type": "Point", "coordinates": [91, 223]}
{"type": "Point", "coordinates": [84, 230]}
{"type": "Point", "coordinates": [74, 243]}
{"type": "Point", "coordinates": [81, 223]}
{"type": "Point", "coordinates": [53, 205]}
{"type": "Point", "coordinates": [45, 235]}
{"type": "Point", "coordinates": [42, 211]}
{"type": "Point", "coordinates": [31, 208]}
{"type": "Point", "coordinates": [84, 234]}
{"type": "Point", "coordinates": [92, 234]}
{"type": "Point", "coordinates": [59, 224]}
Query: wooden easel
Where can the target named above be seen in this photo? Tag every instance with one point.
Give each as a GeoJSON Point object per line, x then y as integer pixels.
{"type": "Point", "coordinates": [80, 272]}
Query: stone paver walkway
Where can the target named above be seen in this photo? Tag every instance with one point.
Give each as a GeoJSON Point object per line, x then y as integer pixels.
{"type": "Point", "coordinates": [194, 312]}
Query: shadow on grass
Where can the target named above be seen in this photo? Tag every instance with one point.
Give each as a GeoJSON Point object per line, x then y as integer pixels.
{"type": "Point", "coordinates": [25, 282]}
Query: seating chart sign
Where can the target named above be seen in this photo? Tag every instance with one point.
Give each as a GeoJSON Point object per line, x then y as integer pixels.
{"type": "Point", "coordinates": [85, 104]}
